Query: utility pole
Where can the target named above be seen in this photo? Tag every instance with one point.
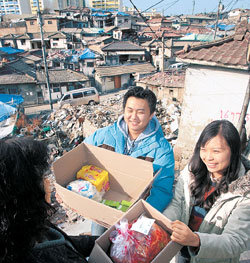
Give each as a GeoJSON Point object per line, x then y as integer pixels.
{"type": "Point", "coordinates": [193, 7]}
{"type": "Point", "coordinates": [216, 23]}
{"type": "Point", "coordinates": [244, 108]}
{"type": "Point", "coordinates": [39, 15]}
{"type": "Point", "coordinates": [162, 39]}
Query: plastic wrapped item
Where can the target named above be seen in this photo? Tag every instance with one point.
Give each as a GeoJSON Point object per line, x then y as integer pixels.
{"type": "Point", "coordinates": [137, 242]}
{"type": "Point", "coordinates": [97, 176]}
{"type": "Point", "coordinates": [85, 189]}
{"type": "Point", "coordinates": [123, 205]}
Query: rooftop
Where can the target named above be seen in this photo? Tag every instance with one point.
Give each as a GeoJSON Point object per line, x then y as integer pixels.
{"type": "Point", "coordinates": [122, 45]}
{"type": "Point", "coordinates": [108, 71]}
{"type": "Point", "coordinates": [230, 52]}
{"type": "Point", "coordinates": [60, 76]}
{"type": "Point", "coordinates": [166, 79]}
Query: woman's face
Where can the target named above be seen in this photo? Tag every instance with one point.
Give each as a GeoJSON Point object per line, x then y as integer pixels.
{"type": "Point", "coordinates": [216, 155]}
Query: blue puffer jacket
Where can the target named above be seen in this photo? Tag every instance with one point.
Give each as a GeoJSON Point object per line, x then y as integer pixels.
{"type": "Point", "coordinates": [150, 146]}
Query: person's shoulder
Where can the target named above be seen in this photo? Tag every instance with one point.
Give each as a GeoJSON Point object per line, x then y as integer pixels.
{"type": "Point", "coordinates": [163, 142]}
{"type": "Point", "coordinates": [106, 128]}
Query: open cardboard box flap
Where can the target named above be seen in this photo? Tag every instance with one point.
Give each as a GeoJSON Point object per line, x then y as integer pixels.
{"type": "Point", "coordinates": [102, 244]}
{"type": "Point", "coordinates": [129, 178]}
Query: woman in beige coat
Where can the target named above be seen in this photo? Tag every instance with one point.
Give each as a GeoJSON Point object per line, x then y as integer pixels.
{"type": "Point", "coordinates": [211, 205]}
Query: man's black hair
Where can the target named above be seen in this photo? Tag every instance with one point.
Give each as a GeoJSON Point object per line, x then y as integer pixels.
{"type": "Point", "coordinates": [141, 93]}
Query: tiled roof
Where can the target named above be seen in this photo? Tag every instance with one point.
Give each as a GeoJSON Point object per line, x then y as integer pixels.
{"type": "Point", "coordinates": [194, 29]}
{"type": "Point", "coordinates": [166, 79]}
{"type": "Point", "coordinates": [9, 76]}
{"type": "Point", "coordinates": [24, 36]}
{"type": "Point", "coordinates": [233, 51]}
{"type": "Point", "coordinates": [9, 36]}
{"type": "Point", "coordinates": [105, 71]}
{"type": "Point", "coordinates": [21, 66]}
{"type": "Point", "coordinates": [60, 76]}
{"type": "Point", "coordinates": [58, 35]}
{"type": "Point", "coordinates": [122, 45]}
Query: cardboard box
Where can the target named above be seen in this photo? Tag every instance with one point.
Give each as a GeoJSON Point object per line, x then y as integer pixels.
{"type": "Point", "coordinates": [102, 244]}
{"type": "Point", "coordinates": [129, 179]}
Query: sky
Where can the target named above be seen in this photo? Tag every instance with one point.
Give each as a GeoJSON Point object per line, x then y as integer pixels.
{"type": "Point", "coordinates": [177, 7]}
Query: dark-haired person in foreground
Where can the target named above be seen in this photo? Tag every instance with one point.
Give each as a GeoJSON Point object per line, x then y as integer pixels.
{"type": "Point", "coordinates": [26, 234]}
{"type": "Point", "coordinates": [210, 209]}
{"type": "Point", "coordinates": [138, 133]}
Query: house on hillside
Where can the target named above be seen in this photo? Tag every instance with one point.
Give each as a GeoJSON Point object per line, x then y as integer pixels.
{"type": "Point", "coordinates": [121, 52]}
{"type": "Point", "coordinates": [215, 84]}
{"type": "Point", "coordinates": [16, 82]}
{"type": "Point", "coordinates": [196, 20]}
{"type": "Point", "coordinates": [122, 20]}
{"type": "Point", "coordinates": [87, 61]}
{"type": "Point", "coordinates": [167, 85]}
{"type": "Point", "coordinates": [101, 19]}
{"type": "Point", "coordinates": [50, 24]}
{"type": "Point", "coordinates": [159, 22]}
{"type": "Point", "coordinates": [8, 41]}
{"type": "Point", "coordinates": [61, 81]}
{"type": "Point", "coordinates": [108, 78]}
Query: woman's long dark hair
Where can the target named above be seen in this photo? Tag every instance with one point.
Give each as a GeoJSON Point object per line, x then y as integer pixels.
{"type": "Point", "coordinates": [199, 170]}
{"type": "Point", "coordinates": [23, 210]}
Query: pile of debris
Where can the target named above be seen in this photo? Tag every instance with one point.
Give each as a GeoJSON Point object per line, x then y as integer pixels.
{"type": "Point", "coordinates": [65, 128]}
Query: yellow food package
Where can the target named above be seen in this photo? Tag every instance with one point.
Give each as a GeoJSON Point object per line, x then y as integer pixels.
{"type": "Point", "coordinates": [95, 175]}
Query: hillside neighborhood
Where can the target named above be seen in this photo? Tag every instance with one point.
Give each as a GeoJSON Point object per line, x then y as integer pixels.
{"type": "Point", "coordinates": [112, 50]}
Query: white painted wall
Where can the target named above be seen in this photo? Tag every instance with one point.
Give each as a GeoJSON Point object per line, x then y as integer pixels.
{"type": "Point", "coordinates": [25, 46]}
{"type": "Point", "coordinates": [60, 43]}
{"type": "Point", "coordinates": [210, 95]}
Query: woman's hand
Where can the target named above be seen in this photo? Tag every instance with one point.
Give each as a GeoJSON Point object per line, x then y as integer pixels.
{"type": "Point", "coordinates": [183, 235]}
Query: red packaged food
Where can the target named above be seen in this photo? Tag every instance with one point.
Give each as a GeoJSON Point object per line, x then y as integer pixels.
{"type": "Point", "coordinates": [131, 246]}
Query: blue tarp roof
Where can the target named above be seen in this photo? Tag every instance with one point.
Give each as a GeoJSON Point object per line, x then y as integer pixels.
{"type": "Point", "coordinates": [11, 99]}
{"type": "Point", "coordinates": [11, 50]}
{"type": "Point", "coordinates": [6, 111]}
{"type": "Point", "coordinates": [72, 59]}
{"type": "Point", "coordinates": [100, 14]}
{"type": "Point", "coordinates": [122, 14]}
{"type": "Point", "coordinates": [87, 53]}
{"type": "Point", "coordinates": [223, 27]}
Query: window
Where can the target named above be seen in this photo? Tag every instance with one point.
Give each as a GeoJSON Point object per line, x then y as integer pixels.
{"type": "Point", "coordinates": [31, 23]}
{"type": "Point", "coordinates": [39, 94]}
{"type": "Point", "coordinates": [56, 87]}
{"type": "Point", "coordinates": [23, 41]}
{"type": "Point", "coordinates": [50, 22]}
{"type": "Point", "coordinates": [171, 92]}
{"type": "Point", "coordinates": [55, 44]}
{"type": "Point", "coordinates": [89, 93]}
{"type": "Point", "coordinates": [56, 39]}
{"type": "Point", "coordinates": [66, 97]}
{"type": "Point", "coordinates": [13, 91]}
{"type": "Point", "coordinates": [77, 95]}
{"type": "Point", "coordinates": [90, 64]}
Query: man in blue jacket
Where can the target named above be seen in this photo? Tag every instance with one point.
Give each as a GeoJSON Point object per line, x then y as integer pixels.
{"type": "Point", "coordinates": [138, 133]}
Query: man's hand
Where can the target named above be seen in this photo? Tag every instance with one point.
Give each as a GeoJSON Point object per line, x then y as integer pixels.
{"type": "Point", "coordinates": [183, 235]}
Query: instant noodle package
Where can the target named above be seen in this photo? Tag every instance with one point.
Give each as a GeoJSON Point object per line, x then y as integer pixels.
{"type": "Point", "coordinates": [95, 175]}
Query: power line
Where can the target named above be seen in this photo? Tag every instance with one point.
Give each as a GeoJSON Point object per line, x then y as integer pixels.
{"type": "Point", "coordinates": [152, 6]}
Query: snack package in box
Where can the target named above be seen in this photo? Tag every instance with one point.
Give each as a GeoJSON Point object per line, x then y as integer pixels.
{"type": "Point", "coordinates": [86, 189]}
{"type": "Point", "coordinates": [137, 242]}
{"type": "Point", "coordinates": [95, 175]}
